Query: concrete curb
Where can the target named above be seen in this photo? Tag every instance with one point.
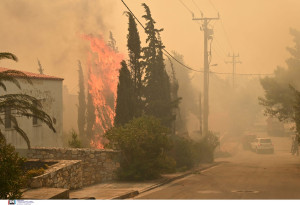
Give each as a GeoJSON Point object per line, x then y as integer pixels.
{"type": "Point", "coordinates": [127, 195]}
{"type": "Point", "coordinates": [134, 193]}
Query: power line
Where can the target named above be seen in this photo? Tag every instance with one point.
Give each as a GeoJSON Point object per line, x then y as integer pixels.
{"type": "Point", "coordinates": [198, 7]}
{"type": "Point", "coordinates": [250, 74]}
{"type": "Point", "coordinates": [187, 67]}
{"type": "Point", "coordinates": [187, 8]}
{"type": "Point", "coordinates": [222, 24]}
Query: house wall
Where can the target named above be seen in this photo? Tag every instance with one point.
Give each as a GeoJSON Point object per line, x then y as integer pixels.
{"type": "Point", "coordinates": [49, 92]}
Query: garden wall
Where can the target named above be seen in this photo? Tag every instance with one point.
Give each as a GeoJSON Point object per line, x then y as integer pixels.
{"type": "Point", "coordinates": [97, 165]}
{"type": "Point", "coordinates": [63, 174]}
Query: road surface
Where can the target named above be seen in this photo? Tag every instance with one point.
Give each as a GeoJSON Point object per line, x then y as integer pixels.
{"type": "Point", "coordinates": [246, 175]}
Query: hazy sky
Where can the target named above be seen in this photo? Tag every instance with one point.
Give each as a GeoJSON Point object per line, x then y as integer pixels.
{"type": "Point", "coordinates": [50, 30]}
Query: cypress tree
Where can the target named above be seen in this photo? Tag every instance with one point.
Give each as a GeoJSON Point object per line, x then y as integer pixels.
{"type": "Point", "coordinates": [41, 70]}
{"type": "Point", "coordinates": [125, 98]}
{"type": "Point", "coordinates": [81, 120]}
{"type": "Point", "coordinates": [134, 49]}
{"type": "Point", "coordinates": [90, 116]}
{"type": "Point", "coordinates": [157, 90]}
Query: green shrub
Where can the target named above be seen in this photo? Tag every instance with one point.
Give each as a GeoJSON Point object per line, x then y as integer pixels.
{"type": "Point", "coordinates": [11, 174]}
{"type": "Point", "coordinates": [188, 153]}
{"type": "Point", "coordinates": [206, 147]}
{"type": "Point", "coordinates": [144, 144]}
{"type": "Point", "coordinates": [75, 142]}
{"type": "Point", "coordinates": [35, 172]}
{"type": "Point", "coordinates": [182, 153]}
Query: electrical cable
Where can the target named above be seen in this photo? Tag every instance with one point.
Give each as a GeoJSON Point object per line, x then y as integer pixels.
{"type": "Point", "coordinates": [166, 52]}
{"type": "Point", "coordinates": [185, 66]}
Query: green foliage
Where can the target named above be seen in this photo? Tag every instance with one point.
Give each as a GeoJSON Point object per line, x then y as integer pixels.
{"type": "Point", "coordinates": [5, 55]}
{"type": "Point", "coordinates": [81, 120]}
{"type": "Point", "coordinates": [157, 83]}
{"type": "Point", "coordinates": [11, 174]}
{"type": "Point", "coordinates": [209, 144]}
{"type": "Point", "coordinates": [179, 86]}
{"type": "Point", "coordinates": [279, 98]}
{"type": "Point", "coordinates": [278, 101]}
{"type": "Point", "coordinates": [182, 152]}
{"type": "Point", "coordinates": [144, 144]}
{"type": "Point", "coordinates": [125, 98]}
{"type": "Point", "coordinates": [189, 153]}
{"type": "Point", "coordinates": [40, 69]}
{"type": "Point", "coordinates": [75, 142]}
{"type": "Point", "coordinates": [35, 172]}
{"type": "Point", "coordinates": [136, 69]}
{"type": "Point", "coordinates": [297, 111]}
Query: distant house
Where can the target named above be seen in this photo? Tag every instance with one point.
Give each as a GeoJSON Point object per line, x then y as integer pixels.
{"type": "Point", "coordinates": [48, 90]}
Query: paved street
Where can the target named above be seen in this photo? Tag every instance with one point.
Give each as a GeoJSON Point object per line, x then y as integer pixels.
{"type": "Point", "coordinates": [246, 175]}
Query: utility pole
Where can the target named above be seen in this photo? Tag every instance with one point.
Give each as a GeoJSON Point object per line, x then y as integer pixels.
{"type": "Point", "coordinates": [207, 36]}
{"type": "Point", "coordinates": [200, 113]}
{"type": "Point", "coordinates": [234, 62]}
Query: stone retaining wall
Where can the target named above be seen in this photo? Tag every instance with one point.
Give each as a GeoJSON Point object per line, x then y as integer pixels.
{"type": "Point", "coordinates": [97, 165]}
{"type": "Point", "coordinates": [64, 174]}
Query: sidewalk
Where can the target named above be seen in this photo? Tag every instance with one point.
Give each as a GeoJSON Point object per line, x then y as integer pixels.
{"type": "Point", "coordinates": [124, 190]}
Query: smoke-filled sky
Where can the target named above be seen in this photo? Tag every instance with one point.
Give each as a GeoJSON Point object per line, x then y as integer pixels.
{"type": "Point", "coordinates": [49, 30]}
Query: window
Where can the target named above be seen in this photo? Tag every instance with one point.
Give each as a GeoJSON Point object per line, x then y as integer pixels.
{"type": "Point", "coordinates": [7, 122]}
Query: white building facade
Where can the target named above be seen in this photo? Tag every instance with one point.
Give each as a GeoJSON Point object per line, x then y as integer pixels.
{"type": "Point", "coordinates": [48, 90]}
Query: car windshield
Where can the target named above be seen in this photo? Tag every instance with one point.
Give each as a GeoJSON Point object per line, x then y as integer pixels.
{"type": "Point", "coordinates": [265, 141]}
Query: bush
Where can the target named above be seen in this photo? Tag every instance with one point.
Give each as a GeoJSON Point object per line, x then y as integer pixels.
{"type": "Point", "coordinates": [188, 153]}
{"type": "Point", "coordinates": [35, 172]}
{"type": "Point", "coordinates": [11, 174]}
{"type": "Point", "coordinates": [75, 142]}
{"type": "Point", "coordinates": [183, 153]}
{"type": "Point", "coordinates": [206, 147]}
{"type": "Point", "coordinates": [144, 144]}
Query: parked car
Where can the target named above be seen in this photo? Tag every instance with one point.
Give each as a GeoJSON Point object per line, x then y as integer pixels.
{"type": "Point", "coordinates": [262, 144]}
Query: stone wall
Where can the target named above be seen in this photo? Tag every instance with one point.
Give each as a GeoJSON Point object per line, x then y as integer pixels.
{"type": "Point", "coordinates": [97, 165]}
{"type": "Point", "coordinates": [63, 174]}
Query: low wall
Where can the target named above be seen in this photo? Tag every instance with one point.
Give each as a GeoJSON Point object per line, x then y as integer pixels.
{"type": "Point", "coordinates": [97, 165]}
{"type": "Point", "coordinates": [64, 174]}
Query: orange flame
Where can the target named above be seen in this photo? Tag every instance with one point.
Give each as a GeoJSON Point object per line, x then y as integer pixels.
{"type": "Point", "coordinates": [103, 65]}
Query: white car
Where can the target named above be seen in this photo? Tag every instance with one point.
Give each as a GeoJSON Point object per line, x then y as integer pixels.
{"type": "Point", "coordinates": [262, 144]}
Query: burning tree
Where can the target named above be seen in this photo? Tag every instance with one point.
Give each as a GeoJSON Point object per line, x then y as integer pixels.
{"type": "Point", "coordinates": [103, 67]}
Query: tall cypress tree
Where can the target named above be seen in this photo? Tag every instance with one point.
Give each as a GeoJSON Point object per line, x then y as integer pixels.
{"type": "Point", "coordinates": [125, 98]}
{"type": "Point", "coordinates": [40, 69]}
{"type": "Point", "coordinates": [157, 90]}
{"type": "Point", "coordinates": [81, 120]}
{"type": "Point", "coordinates": [90, 116]}
{"type": "Point", "coordinates": [134, 49]}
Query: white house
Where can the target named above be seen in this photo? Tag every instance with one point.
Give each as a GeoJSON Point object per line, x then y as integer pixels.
{"type": "Point", "coordinates": [47, 89]}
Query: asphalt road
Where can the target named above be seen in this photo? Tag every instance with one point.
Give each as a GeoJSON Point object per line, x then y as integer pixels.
{"type": "Point", "coordinates": [246, 175]}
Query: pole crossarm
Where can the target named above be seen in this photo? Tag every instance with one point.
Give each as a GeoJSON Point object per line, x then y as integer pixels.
{"type": "Point", "coordinates": [234, 61]}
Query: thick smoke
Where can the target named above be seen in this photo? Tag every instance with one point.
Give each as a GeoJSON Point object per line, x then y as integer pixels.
{"type": "Point", "coordinates": [50, 31]}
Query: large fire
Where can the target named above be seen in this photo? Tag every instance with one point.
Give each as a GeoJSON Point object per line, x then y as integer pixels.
{"type": "Point", "coordinates": [103, 68]}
